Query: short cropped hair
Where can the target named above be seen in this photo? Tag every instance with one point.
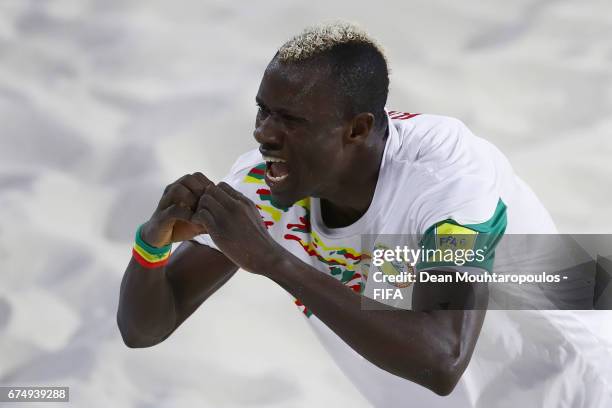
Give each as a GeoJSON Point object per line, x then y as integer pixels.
{"type": "Point", "coordinates": [357, 63]}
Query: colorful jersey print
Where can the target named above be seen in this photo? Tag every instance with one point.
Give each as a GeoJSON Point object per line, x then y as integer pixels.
{"type": "Point", "coordinates": [437, 181]}
{"type": "Point", "coordinates": [452, 190]}
{"type": "Point", "coordinates": [295, 228]}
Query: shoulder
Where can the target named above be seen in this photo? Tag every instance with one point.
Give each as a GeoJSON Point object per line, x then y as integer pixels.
{"type": "Point", "coordinates": [249, 162]}
{"type": "Point", "coordinates": [427, 137]}
{"type": "Point", "coordinates": [445, 148]}
{"type": "Point", "coordinates": [453, 173]}
{"type": "Point", "coordinates": [248, 176]}
{"type": "Point", "coordinates": [424, 122]}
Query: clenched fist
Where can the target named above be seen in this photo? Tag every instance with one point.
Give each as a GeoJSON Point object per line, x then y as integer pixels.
{"type": "Point", "coordinates": [172, 219]}
{"type": "Point", "coordinates": [235, 225]}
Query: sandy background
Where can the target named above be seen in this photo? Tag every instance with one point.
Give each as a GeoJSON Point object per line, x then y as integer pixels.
{"type": "Point", "coordinates": [104, 102]}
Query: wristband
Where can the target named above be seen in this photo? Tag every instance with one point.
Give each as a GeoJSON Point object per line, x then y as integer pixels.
{"type": "Point", "coordinates": [148, 256]}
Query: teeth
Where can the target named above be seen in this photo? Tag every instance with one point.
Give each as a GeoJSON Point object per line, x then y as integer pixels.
{"type": "Point", "coordinates": [273, 159]}
{"type": "Point", "coordinates": [276, 179]}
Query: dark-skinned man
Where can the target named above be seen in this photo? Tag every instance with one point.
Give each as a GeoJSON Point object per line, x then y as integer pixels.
{"type": "Point", "coordinates": [333, 166]}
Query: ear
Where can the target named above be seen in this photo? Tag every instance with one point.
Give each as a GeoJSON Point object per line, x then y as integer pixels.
{"type": "Point", "coordinates": [361, 126]}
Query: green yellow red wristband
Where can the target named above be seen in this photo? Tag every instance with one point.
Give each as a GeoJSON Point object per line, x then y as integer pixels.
{"type": "Point", "coordinates": [148, 256]}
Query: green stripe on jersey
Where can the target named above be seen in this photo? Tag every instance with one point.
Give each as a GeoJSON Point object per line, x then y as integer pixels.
{"type": "Point", "coordinates": [450, 244]}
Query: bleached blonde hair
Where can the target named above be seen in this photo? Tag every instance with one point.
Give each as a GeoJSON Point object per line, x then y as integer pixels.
{"type": "Point", "coordinates": [322, 37]}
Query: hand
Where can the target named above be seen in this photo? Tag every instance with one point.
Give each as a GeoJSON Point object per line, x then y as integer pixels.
{"type": "Point", "coordinates": [172, 220]}
{"type": "Point", "coordinates": [236, 227]}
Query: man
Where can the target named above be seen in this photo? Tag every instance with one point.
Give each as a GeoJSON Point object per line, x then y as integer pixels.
{"type": "Point", "coordinates": [333, 166]}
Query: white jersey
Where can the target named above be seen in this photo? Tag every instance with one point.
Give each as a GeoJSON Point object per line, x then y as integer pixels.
{"type": "Point", "coordinates": [437, 176]}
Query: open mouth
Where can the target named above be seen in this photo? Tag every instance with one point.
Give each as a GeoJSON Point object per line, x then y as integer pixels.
{"type": "Point", "coordinates": [276, 169]}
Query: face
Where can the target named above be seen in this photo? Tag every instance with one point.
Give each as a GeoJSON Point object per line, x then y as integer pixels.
{"type": "Point", "coordinates": [300, 132]}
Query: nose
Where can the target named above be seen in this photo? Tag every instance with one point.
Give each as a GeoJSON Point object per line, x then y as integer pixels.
{"type": "Point", "coordinates": [267, 133]}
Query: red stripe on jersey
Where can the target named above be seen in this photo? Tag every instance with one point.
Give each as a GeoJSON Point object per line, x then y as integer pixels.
{"type": "Point", "coordinates": [407, 116]}
{"type": "Point", "coordinates": [402, 115]}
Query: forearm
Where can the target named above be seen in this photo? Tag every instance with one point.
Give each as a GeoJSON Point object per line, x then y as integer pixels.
{"type": "Point", "coordinates": [147, 312]}
{"type": "Point", "coordinates": [422, 347]}
{"type": "Point", "coordinates": [429, 348]}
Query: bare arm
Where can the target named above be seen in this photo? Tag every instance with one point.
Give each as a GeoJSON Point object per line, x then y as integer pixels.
{"type": "Point", "coordinates": [431, 345]}
{"type": "Point", "coordinates": [154, 302]}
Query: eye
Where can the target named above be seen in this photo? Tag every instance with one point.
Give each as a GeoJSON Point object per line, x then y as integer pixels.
{"type": "Point", "coordinates": [289, 118]}
{"type": "Point", "coordinates": [261, 110]}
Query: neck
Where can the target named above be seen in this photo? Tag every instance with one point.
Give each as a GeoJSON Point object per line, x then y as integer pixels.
{"type": "Point", "coordinates": [353, 195]}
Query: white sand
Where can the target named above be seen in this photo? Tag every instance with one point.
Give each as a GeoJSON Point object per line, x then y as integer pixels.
{"type": "Point", "coordinates": [104, 102]}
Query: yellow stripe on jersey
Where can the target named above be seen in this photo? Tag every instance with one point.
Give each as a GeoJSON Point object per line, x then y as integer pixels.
{"type": "Point", "coordinates": [453, 236]}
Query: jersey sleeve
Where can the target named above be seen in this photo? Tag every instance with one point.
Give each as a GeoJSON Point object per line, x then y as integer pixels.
{"type": "Point", "coordinates": [459, 208]}
{"type": "Point", "coordinates": [246, 172]}
{"type": "Point", "coordinates": [450, 245]}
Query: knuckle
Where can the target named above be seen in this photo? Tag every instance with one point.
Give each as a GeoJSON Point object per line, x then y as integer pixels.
{"type": "Point", "coordinates": [179, 181]}
{"type": "Point", "coordinates": [213, 191]}
{"type": "Point", "coordinates": [172, 188]}
{"type": "Point", "coordinates": [190, 178]}
{"type": "Point", "coordinates": [205, 200]}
